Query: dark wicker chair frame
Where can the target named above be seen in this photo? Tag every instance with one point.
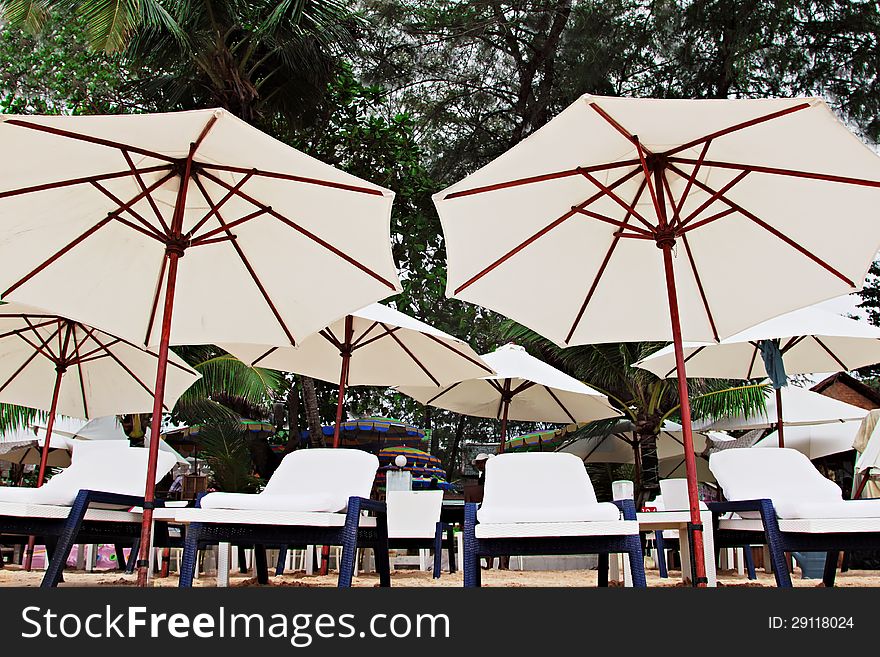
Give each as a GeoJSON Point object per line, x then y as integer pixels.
{"type": "Point", "coordinates": [780, 542]}
{"type": "Point", "coordinates": [350, 536]}
{"type": "Point", "coordinates": [61, 534]}
{"type": "Point", "coordinates": [475, 548]}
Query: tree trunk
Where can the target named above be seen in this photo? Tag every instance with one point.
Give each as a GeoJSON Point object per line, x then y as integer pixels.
{"type": "Point", "coordinates": [453, 452]}
{"type": "Point", "coordinates": [646, 438]}
{"type": "Point", "coordinates": [293, 430]}
{"type": "Point", "coordinates": [427, 422]}
{"type": "Point", "coordinates": [313, 415]}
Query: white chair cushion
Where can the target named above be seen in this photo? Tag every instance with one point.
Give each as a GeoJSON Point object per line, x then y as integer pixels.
{"type": "Point", "coordinates": [121, 470]}
{"type": "Point", "coordinates": [841, 509]}
{"type": "Point", "coordinates": [556, 529]}
{"type": "Point", "coordinates": [540, 487]}
{"type": "Point", "coordinates": [782, 475]}
{"type": "Point", "coordinates": [310, 480]}
{"type": "Point", "coordinates": [317, 502]}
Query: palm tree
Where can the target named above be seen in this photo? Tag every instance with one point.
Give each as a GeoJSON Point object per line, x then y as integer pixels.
{"type": "Point", "coordinates": [642, 398]}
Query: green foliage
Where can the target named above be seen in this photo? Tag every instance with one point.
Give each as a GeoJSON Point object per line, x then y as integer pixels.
{"type": "Point", "coordinates": [224, 446]}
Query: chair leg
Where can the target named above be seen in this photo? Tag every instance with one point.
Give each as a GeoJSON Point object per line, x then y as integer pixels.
{"type": "Point", "coordinates": [775, 545]}
{"type": "Point", "coordinates": [661, 553]}
{"type": "Point", "coordinates": [830, 568]}
{"type": "Point", "coordinates": [120, 557]}
{"type": "Point", "coordinates": [438, 549]}
{"type": "Point", "coordinates": [282, 559]}
{"type": "Point", "coordinates": [750, 562]}
{"type": "Point", "coordinates": [450, 540]}
{"type": "Point", "coordinates": [132, 556]}
{"type": "Point", "coordinates": [190, 555]}
{"type": "Point", "coordinates": [65, 541]}
{"type": "Point", "coordinates": [471, 561]}
{"type": "Point", "coordinates": [636, 561]}
{"type": "Point", "coordinates": [242, 560]}
{"type": "Point", "coordinates": [603, 569]}
{"type": "Point", "coordinates": [261, 565]}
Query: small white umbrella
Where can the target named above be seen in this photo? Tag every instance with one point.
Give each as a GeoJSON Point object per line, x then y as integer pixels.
{"type": "Point", "coordinates": [523, 388]}
{"type": "Point", "coordinates": [816, 441]}
{"type": "Point", "coordinates": [375, 346]}
{"type": "Point", "coordinates": [669, 193]}
{"type": "Point", "coordinates": [25, 447]}
{"type": "Point", "coordinates": [802, 408]}
{"type": "Point", "coordinates": [810, 340]}
{"type": "Point", "coordinates": [98, 212]}
{"type": "Point", "coordinates": [65, 367]}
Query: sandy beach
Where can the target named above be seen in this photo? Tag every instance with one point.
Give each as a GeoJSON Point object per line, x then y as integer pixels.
{"type": "Point", "coordinates": [14, 576]}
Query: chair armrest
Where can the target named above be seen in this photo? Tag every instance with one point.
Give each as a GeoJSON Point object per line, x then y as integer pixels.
{"type": "Point", "coordinates": [717, 508]}
{"type": "Point", "coordinates": [365, 504]}
{"type": "Point", "coordinates": [628, 508]}
{"type": "Point", "coordinates": [102, 497]}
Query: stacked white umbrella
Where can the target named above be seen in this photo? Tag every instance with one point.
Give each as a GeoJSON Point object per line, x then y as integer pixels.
{"type": "Point", "coordinates": [618, 446]}
{"type": "Point", "coordinates": [522, 388]}
{"type": "Point", "coordinates": [867, 443]}
{"type": "Point", "coordinates": [802, 408]}
{"type": "Point", "coordinates": [375, 346]}
{"type": "Point", "coordinates": [809, 340]}
{"type": "Point", "coordinates": [613, 189]}
{"type": "Point", "coordinates": [98, 212]}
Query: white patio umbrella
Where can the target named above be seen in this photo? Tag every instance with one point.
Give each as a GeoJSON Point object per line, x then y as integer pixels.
{"type": "Point", "coordinates": [802, 408]}
{"type": "Point", "coordinates": [816, 441]}
{"type": "Point", "coordinates": [810, 340]}
{"type": "Point", "coordinates": [617, 447]}
{"type": "Point", "coordinates": [24, 447]}
{"type": "Point", "coordinates": [65, 367]}
{"type": "Point", "coordinates": [375, 346]}
{"type": "Point", "coordinates": [667, 195]}
{"type": "Point", "coordinates": [99, 211]}
{"type": "Point", "coordinates": [523, 388]}
{"type": "Point", "coordinates": [107, 428]}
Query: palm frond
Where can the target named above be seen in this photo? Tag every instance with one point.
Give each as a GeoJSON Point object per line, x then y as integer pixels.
{"type": "Point", "coordinates": [729, 402]}
{"type": "Point", "coordinates": [29, 15]}
{"type": "Point", "coordinates": [227, 376]}
{"type": "Point", "coordinates": [14, 417]}
{"type": "Point", "coordinates": [224, 447]}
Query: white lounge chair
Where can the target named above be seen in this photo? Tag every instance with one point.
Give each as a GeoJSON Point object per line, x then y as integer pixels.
{"type": "Point", "coordinates": [315, 497]}
{"type": "Point", "coordinates": [414, 522]}
{"type": "Point", "coordinates": [89, 502]}
{"type": "Point", "coordinates": [778, 498]}
{"type": "Point", "coordinates": [544, 503]}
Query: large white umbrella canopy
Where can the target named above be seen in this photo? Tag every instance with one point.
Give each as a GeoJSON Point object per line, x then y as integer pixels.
{"type": "Point", "coordinates": [816, 441]}
{"type": "Point", "coordinates": [667, 195]}
{"type": "Point", "coordinates": [277, 244]}
{"type": "Point", "coordinates": [374, 346]}
{"type": "Point", "coordinates": [524, 388]}
{"type": "Point", "coordinates": [802, 408]}
{"type": "Point", "coordinates": [98, 212]}
{"type": "Point", "coordinates": [811, 340]}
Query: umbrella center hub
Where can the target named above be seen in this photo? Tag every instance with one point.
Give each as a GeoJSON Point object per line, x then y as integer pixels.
{"type": "Point", "coordinates": [176, 245]}
{"type": "Point", "coordinates": [664, 237]}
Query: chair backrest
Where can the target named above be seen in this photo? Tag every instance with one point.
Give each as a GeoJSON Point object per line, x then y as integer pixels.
{"type": "Point", "coordinates": [119, 469]}
{"type": "Point", "coordinates": [674, 494]}
{"type": "Point", "coordinates": [779, 474]}
{"type": "Point", "coordinates": [538, 479]}
{"type": "Point", "coordinates": [413, 514]}
{"type": "Point", "coordinates": [339, 473]}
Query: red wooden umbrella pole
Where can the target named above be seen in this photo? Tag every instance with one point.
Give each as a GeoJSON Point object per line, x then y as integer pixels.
{"type": "Point", "coordinates": [44, 455]}
{"type": "Point", "coordinates": [864, 482]}
{"type": "Point", "coordinates": [779, 421]}
{"type": "Point", "coordinates": [690, 461]}
{"type": "Point", "coordinates": [143, 561]}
